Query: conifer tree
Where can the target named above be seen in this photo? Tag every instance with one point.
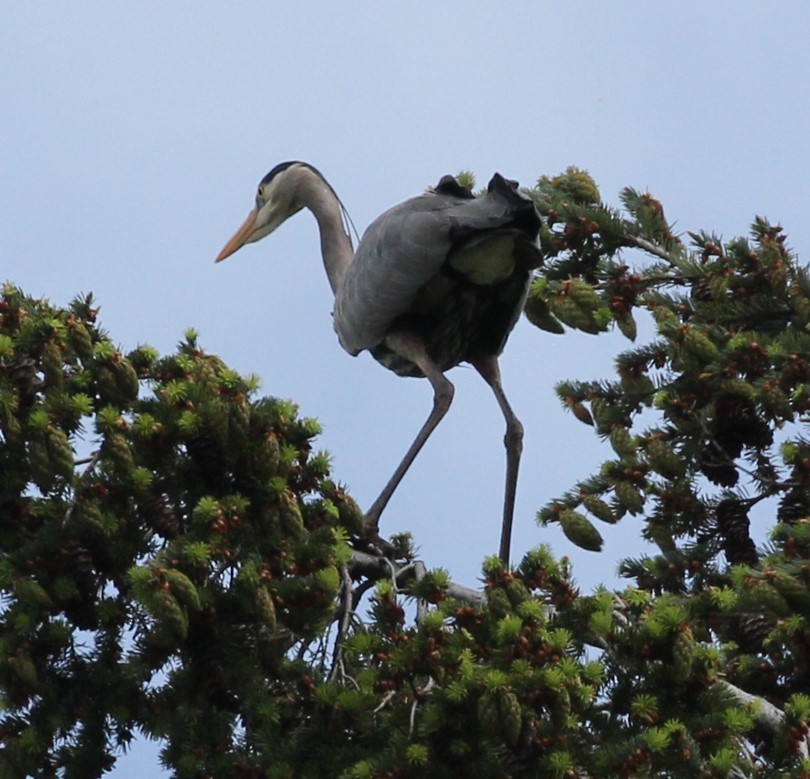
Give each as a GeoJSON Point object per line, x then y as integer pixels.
{"type": "Point", "coordinates": [177, 562]}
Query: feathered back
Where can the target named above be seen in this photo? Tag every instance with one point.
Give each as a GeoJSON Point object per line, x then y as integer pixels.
{"type": "Point", "coordinates": [407, 246]}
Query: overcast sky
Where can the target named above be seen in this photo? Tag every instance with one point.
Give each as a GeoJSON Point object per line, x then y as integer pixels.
{"type": "Point", "coordinates": [133, 137]}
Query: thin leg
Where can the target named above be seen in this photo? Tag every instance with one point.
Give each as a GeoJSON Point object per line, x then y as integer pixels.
{"type": "Point", "coordinates": [413, 349]}
{"type": "Point", "coordinates": [513, 440]}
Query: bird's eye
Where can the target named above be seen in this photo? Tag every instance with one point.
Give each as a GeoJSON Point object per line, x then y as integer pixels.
{"type": "Point", "coordinates": [260, 193]}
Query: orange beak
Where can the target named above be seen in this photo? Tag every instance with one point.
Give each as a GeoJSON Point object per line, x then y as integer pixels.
{"type": "Point", "coordinates": [240, 237]}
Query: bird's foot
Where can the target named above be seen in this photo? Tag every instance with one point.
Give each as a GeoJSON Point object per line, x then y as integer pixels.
{"type": "Point", "coordinates": [375, 544]}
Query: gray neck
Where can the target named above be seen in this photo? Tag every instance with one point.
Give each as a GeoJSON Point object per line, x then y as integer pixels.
{"type": "Point", "coordinates": [314, 193]}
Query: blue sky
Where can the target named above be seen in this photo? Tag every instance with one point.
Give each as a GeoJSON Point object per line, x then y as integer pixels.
{"type": "Point", "coordinates": [133, 136]}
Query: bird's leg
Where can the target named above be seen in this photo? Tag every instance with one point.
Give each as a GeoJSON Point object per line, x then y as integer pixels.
{"type": "Point", "coordinates": [412, 348]}
{"type": "Point", "coordinates": [513, 440]}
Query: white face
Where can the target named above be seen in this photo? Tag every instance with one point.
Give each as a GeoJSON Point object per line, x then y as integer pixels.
{"type": "Point", "coordinates": [275, 204]}
{"type": "Point", "coordinates": [276, 201]}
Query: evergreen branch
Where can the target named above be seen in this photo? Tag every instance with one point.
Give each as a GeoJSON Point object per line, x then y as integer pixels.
{"type": "Point", "coordinates": [757, 309]}
{"type": "Point", "coordinates": [767, 715]}
{"type": "Point", "coordinates": [650, 248]}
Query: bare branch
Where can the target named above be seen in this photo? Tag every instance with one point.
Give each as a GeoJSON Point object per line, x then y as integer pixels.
{"type": "Point", "coordinates": [90, 462]}
{"type": "Point", "coordinates": [423, 692]}
{"type": "Point", "coordinates": [768, 716]}
{"type": "Point", "coordinates": [650, 248]}
{"type": "Point", "coordinates": [467, 594]}
{"type": "Point", "coordinates": [346, 608]}
{"type": "Point", "coordinates": [419, 571]}
{"type": "Point", "coordinates": [385, 701]}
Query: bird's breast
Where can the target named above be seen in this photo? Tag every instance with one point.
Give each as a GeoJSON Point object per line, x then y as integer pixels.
{"type": "Point", "coordinates": [458, 321]}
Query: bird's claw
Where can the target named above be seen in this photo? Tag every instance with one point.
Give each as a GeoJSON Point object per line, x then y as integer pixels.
{"type": "Point", "coordinates": [375, 544]}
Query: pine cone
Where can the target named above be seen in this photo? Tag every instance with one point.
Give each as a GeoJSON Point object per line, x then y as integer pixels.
{"type": "Point", "coordinates": [561, 706]}
{"type": "Point", "coordinates": [539, 314]}
{"type": "Point", "coordinates": [683, 655]}
{"type": "Point", "coordinates": [170, 614]}
{"type": "Point", "coordinates": [23, 370]}
{"type": "Point", "coordinates": [629, 497]}
{"type": "Point", "coordinates": [183, 589]}
{"type": "Point", "coordinates": [511, 717]}
{"type": "Point", "coordinates": [701, 290]}
{"type": "Point", "coordinates": [52, 364]}
{"type": "Point", "coordinates": [579, 529]}
{"type": "Point", "coordinates": [117, 449]}
{"type": "Point", "coordinates": [11, 428]}
{"type": "Point", "coordinates": [160, 516]}
{"type": "Point", "coordinates": [795, 505]}
{"type": "Point", "coordinates": [733, 526]}
{"type": "Point", "coordinates": [80, 339]}
{"type": "Point", "coordinates": [751, 630]}
{"type": "Point", "coordinates": [127, 379]}
{"type": "Point", "coordinates": [621, 441]}
{"type": "Point", "coordinates": [208, 456]}
{"type": "Point", "coordinates": [292, 521]}
{"type": "Point", "coordinates": [716, 467]}
{"type": "Point", "coordinates": [599, 508]}
{"type": "Point", "coordinates": [265, 607]}
{"type": "Point", "coordinates": [107, 386]}
{"type": "Point", "coordinates": [627, 326]}
{"type": "Point", "coordinates": [776, 401]}
{"type": "Point", "coordinates": [516, 592]}
{"type": "Point", "coordinates": [78, 563]}
{"type": "Point", "coordinates": [487, 710]}
{"type": "Point", "coordinates": [40, 464]}
{"type": "Point", "coordinates": [699, 348]}
{"type": "Point", "coordinates": [60, 453]}
{"type": "Point", "coordinates": [663, 459]}
{"type": "Point", "coordinates": [737, 424]}
{"type": "Point", "coordinates": [574, 307]}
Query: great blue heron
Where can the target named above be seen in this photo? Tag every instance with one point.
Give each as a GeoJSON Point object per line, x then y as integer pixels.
{"type": "Point", "coordinates": [437, 280]}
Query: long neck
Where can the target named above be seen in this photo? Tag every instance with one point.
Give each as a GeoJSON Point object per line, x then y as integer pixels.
{"type": "Point", "coordinates": [314, 193]}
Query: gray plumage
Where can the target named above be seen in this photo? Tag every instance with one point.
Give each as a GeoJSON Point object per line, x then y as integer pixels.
{"type": "Point", "coordinates": [437, 280]}
{"type": "Point", "coordinates": [409, 271]}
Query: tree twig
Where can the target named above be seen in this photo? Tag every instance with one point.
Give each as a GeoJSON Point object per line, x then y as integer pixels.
{"type": "Point", "coordinates": [385, 701]}
{"type": "Point", "coordinates": [90, 462]}
{"type": "Point", "coordinates": [347, 608]}
{"type": "Point", "coordinates": [421, 606]}
{"type": "Point", "coordinates": [642, 243]}
{"type": "Point", "coordinates": [424, 691]}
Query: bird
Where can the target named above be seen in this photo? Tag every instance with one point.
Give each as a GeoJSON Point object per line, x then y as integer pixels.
{"type": "Point", "coordinates": [436, 281]}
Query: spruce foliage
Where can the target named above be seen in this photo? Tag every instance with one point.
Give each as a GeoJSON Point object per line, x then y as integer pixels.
{"type": "Point", "coordinates": [177, 562]}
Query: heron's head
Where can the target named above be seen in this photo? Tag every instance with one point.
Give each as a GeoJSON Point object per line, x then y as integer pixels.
{"type": "Point", "coordinates": [276, 201]}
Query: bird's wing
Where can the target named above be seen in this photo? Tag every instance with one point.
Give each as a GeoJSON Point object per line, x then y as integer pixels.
{"type": "Point", "coordinates": [406, 247]}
